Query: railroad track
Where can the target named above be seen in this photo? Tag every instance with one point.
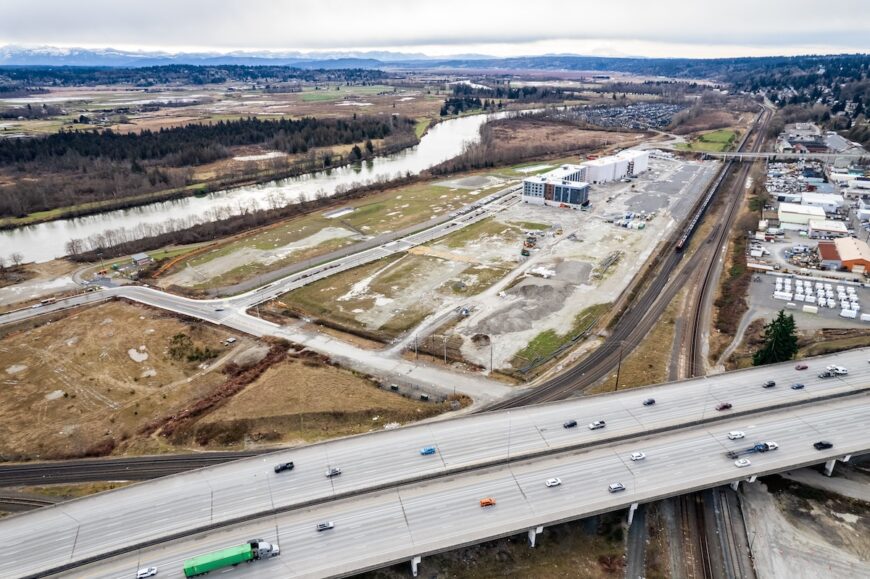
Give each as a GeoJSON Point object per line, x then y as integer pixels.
{"type": "Point", "coordinates": [644, 312]}
{"type": "Point", "coordinates": [699, 565]}
{"type": "Point", "coordinates": [695, 360]}
{"type": "Point", "coordinates": [19, 503]}
{"type": "Point", "coordinates": [632, 326]}
{"type": "Point", "coordinates": [90, 470]}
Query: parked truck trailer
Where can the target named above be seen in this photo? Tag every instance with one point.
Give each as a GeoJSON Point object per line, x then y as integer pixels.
{"type": "Point", "coordinates": [231, 556]}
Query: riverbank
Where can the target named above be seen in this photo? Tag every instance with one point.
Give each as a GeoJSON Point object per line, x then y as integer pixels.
{"type": "Point", "coordinates": [304, 167]}
{"type": "Point", "coordinates": [45, 241]}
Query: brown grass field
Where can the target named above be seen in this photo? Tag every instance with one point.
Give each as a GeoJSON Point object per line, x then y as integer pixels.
{"type": "Point", "coordinates": [74, 388]}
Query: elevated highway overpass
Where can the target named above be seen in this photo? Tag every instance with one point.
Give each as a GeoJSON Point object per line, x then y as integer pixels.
{"type": "Point", "coordinates": [411, 521]}
{"type": "Point", "coordinates": [378, 462]}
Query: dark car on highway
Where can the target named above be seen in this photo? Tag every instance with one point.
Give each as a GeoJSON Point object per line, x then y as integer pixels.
{"type": "Point", "coordinates": [822, 445]}
{"type": "Point", "coordinates": [723, 406]}
{"type": "Point", "coordinates": [569, 424]}
{"type": "Point", "coordinates": [797, 386]}
{"type": "Point", "coordinates": [649, 401]}
{"type": "Point", "coordinates": [282, 466]}
{"type": "Point", "coordinates": [769, 384]}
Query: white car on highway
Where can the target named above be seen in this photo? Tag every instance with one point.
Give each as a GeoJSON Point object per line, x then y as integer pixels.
{"type": "Point", "coordinates": [736, 435]}
{"type": "Point", "coordinates": [742, 462]}
{"type": "Point", "coordinates": [553, 482]}
{"type": "Point", "coordinates": [637, 456]}
{"type": "Point", "coordinates": [146, 572]}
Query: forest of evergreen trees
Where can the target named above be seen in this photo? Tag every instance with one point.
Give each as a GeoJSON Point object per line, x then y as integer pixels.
{"type": "Point", "coordinates": [69, 168]}
{"type": "Point", "coordinates": [195, 143]}
{"type": "Point", "coordinates": [40, 76]}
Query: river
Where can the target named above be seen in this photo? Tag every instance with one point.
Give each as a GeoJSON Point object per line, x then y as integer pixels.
{"type": "Point", "coordinates": [46, 241]}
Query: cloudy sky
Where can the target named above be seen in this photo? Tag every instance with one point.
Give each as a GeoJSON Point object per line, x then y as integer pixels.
{"type": "Point", "coordinates": [684, 28]}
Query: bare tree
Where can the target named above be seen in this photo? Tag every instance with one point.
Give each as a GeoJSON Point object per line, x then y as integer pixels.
{"type": "Point", "coordinates": [17, 259]}
{"type": "Point", "coordinates": [74, 246]}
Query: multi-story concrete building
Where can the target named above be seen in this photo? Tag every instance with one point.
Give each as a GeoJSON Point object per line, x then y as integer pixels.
{"type": "Point", "coordinates": [543, 190]}
{"type": "Point", "coordinates": [569, 184]}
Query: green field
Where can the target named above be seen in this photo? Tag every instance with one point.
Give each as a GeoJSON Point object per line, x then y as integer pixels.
{"type": "Point", "coordinates": [421, 126]}
{"type": "Point", "coordinates": [714, 142]}
{"type": "Point", "coordinates": [330, 93]}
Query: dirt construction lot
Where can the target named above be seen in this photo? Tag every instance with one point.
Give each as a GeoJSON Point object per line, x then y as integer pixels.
{"type": "Point", "coordinates": [91, 383]}
{"type": "Point", "coordinates": [799, 531]}
{"type": "Point", "coordinates": [270, 248]}
{"type": "Point", "coordinates": [519, 308]}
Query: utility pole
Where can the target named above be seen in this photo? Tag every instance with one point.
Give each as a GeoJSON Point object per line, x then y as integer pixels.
{"type": "Point", "coordinates": [415, 347]}
{"type": "Point", "coordinates": [618, 367]}
{"type": "Point", "coordinates": [490, 354]}
{"type": "Point", "coordinates": [445, 348]}
{"type": "Point", "coordinates": [102, 264]}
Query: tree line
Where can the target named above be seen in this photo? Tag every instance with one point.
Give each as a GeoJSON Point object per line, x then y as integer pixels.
{"type": "Point", "coordinates": [71, 168]}
{"type": "Point", "coordinates": [523, 93]}
{"type": "Point", "coordinates": [216, 222]}
{"type": "Point", "coordinates": [41, 76]}
{"type": "Point", "coordinates": [196, 143]}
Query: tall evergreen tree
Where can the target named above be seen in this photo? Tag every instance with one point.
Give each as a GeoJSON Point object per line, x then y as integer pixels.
{"type": "Point", "coordinates": [780, 341]}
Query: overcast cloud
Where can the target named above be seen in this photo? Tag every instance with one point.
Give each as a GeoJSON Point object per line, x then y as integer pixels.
{"type": "Point", "coordinates": [690, 28]}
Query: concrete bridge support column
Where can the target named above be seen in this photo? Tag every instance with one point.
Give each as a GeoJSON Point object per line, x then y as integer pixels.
{"type": "Point", "coordinates": [829, 465]}
{"type": "Point", "coordinates": [414, 562]}
{"type": "Point", "coordinates": [533, 533]}
{"type": "Point", "coordinates": [735, 485]}
{"type": "Point", "coordinates": [631, 510]}
{"type": "Point", "coordinates": [752, 478]}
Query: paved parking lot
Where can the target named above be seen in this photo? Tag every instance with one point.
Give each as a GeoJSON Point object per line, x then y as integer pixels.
{"type": "Point", "coordinates": [763, 304]}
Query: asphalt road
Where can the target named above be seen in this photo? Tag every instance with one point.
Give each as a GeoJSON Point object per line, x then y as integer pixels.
{"type": "Point", "coordinates": [78, 529]}
{"type": "Point", "coordinates": [392, 526]}
{"type": "Point", "coordinates": [380, 240]}
{"type": "Point", "coordinates": [231, 313]}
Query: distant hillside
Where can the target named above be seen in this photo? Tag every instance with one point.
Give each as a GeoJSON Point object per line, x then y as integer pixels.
{"type": "Point", "coordinates": [742, 71]}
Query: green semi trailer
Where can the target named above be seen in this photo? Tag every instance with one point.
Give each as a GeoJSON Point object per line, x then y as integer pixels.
{"type": "Point", "coordinates": [251, 551]}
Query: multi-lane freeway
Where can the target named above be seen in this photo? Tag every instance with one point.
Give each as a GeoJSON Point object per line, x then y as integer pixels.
{"type": "Point", "coordinates": [183, 503]}
{"type": "Point", "coordinates": [396, 524]}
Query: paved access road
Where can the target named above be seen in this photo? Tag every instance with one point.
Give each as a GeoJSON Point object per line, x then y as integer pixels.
{"type": "Point", "coordinates": [379, 528]}
{"type": "Point", "coordinates": [99, 524]}
{"type": "Point", "coordinates": [231, 312]}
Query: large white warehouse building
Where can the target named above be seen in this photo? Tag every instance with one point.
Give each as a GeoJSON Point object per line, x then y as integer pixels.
{"type": "Point", "coordinates": [568, 185]}
{"type": "Point", "coordinates": [624, 164]}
